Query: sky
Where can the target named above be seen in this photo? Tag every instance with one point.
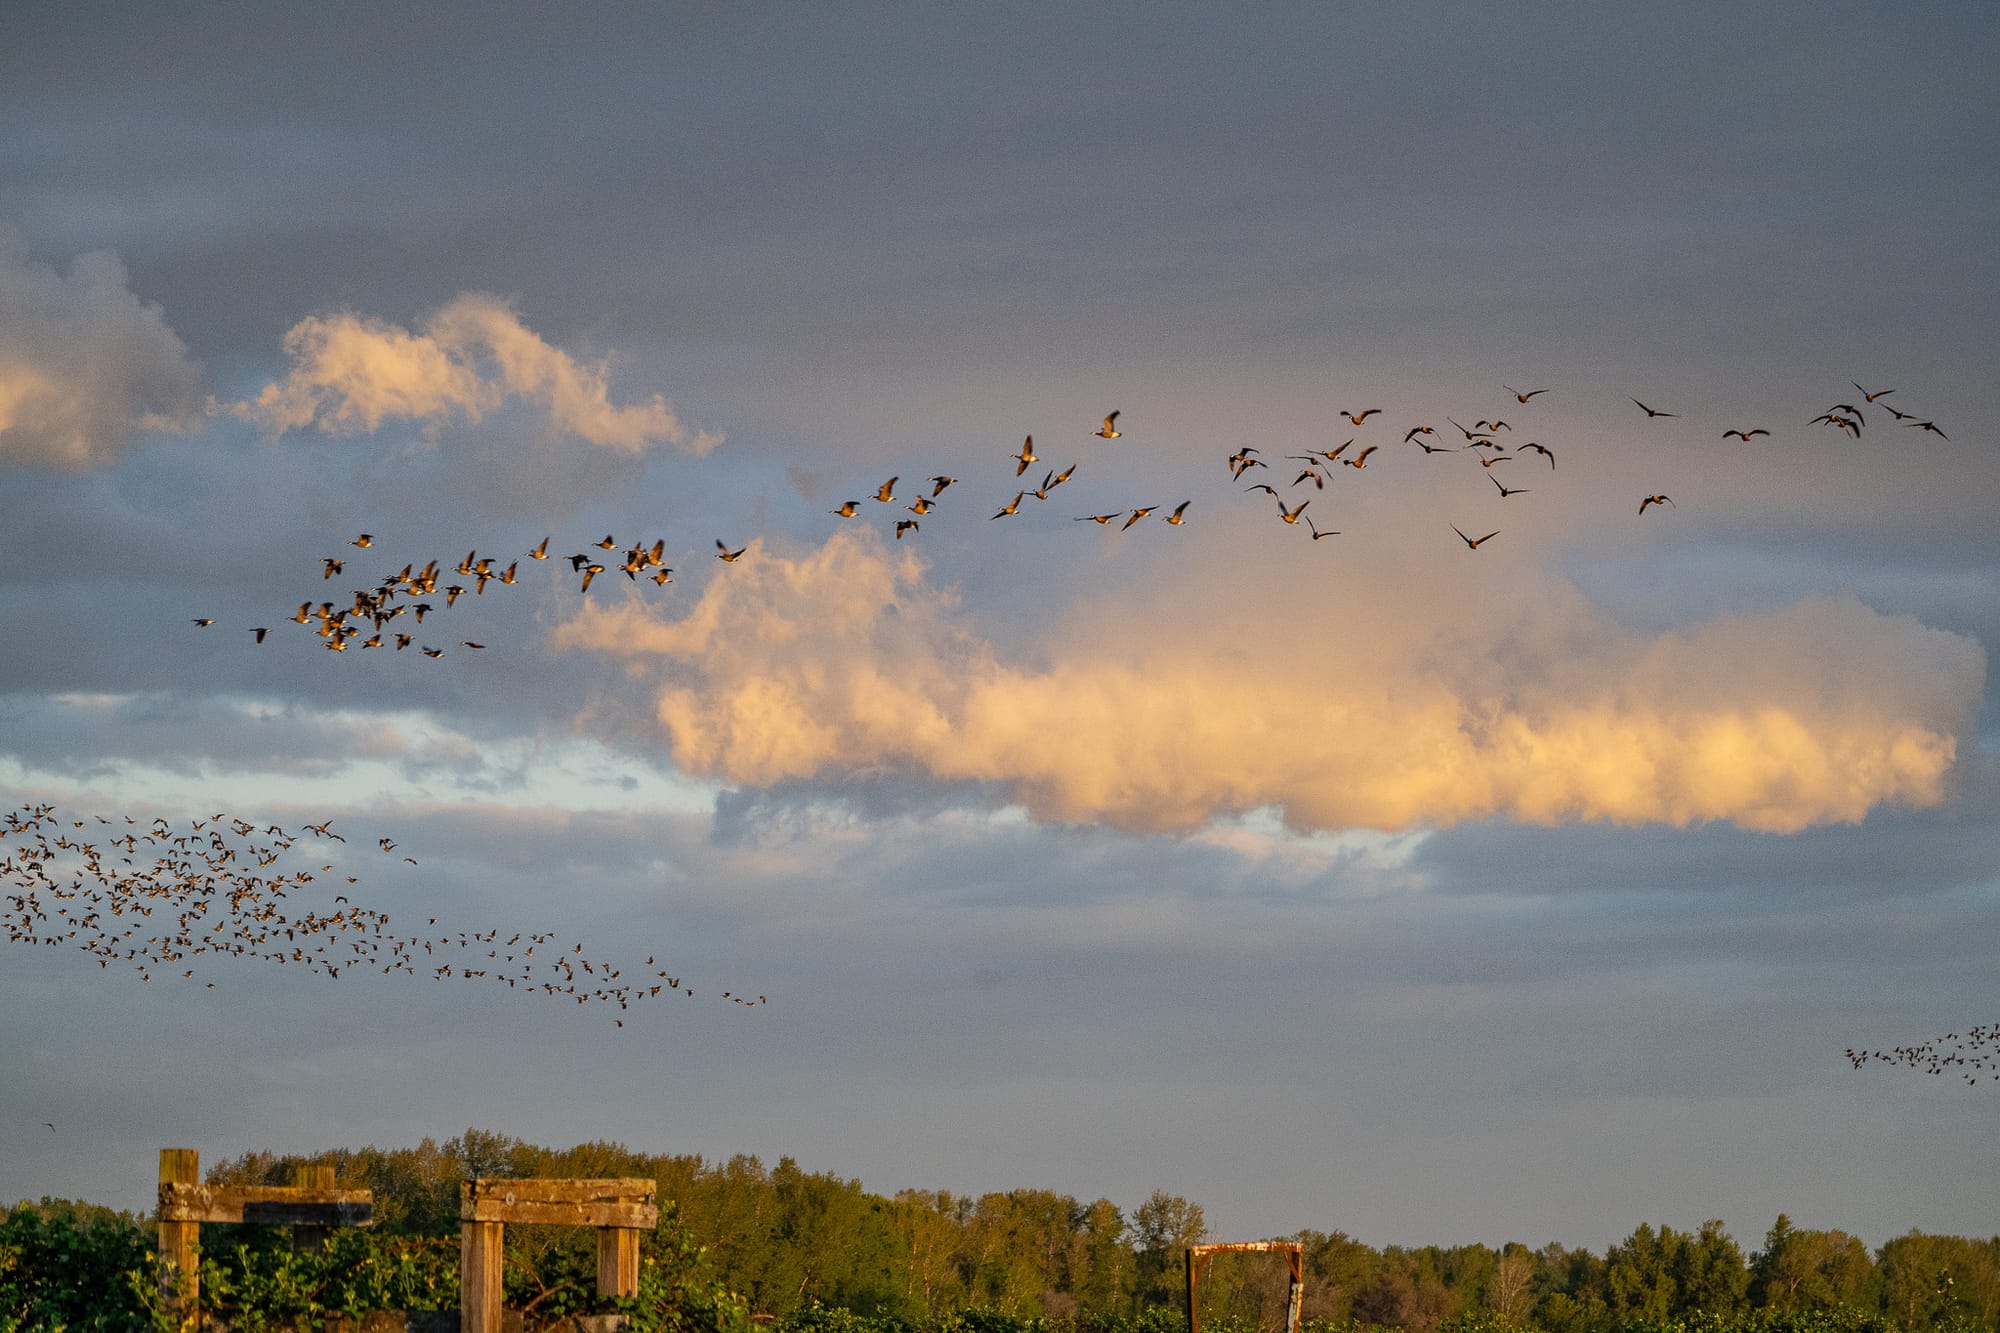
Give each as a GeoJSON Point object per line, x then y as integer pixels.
{"type": "Point", "coordinates": [1372, 881]}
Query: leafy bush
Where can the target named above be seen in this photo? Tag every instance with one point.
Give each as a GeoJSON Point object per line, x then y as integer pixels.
{"type": "Point", "coordinates": [63, 1266]}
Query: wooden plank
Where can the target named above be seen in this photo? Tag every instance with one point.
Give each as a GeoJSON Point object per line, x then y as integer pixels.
{"type": "Point", "coordinates": [580, 1203]}
{"type": "Point", "coordinates": [643, 1216]}
{"type": "Point", "coordinates": [180, 1273]}
{"type": "Point", "coordinates": [479, 1265]}
{"type": "Point", "coordinates": [276, 1205]}
{"type": "Point", "coordinates": [617, 1261]}
{"type": "Point", "coordinates": [626, 1189]}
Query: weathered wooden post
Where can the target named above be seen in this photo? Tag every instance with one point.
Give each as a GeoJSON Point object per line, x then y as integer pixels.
{"type": "Point", "coordinates": [315, 1178]}
{"type": "Point", "coordinates": [619, 1209]}
{"type": "Point", "coordinates": [617, 1261]}
{"type": "Point", "coordinates": [479, 1263]}
{"type": "Point", "coordinates": [185, 1203]}
{"type": "Point", "coordinates": [180, 1273]}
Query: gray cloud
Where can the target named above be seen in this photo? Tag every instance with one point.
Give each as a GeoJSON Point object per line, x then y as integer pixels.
{"type": "Point", "coordinates": [85, 366]}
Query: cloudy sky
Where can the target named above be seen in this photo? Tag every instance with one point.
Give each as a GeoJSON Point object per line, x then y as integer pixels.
{"type": "Point", "coordinates": [1373, 882]}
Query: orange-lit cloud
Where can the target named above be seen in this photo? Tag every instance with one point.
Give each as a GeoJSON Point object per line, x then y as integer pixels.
{"type": "Point", "coordinates": [350, 374]}
{"type": "Point", "coordinates": [84, 364]}
{"type": "Point", "coordinates": [1426, 708]}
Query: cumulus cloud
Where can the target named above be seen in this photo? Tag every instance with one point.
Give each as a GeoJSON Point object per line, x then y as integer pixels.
{"type": "Point", "coordinates": [85, 366]}
{"type": "Point", "coordinates": [847, 661]}
{"type": "Point", "coordinates": [350, 374]}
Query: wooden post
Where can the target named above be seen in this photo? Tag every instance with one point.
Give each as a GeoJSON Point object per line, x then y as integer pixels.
{"type": "Point", "coordinates": [617, 1261]}
{"type": "Point", "coordinates": [180, 1272]}
{"type": "Point", "coordinates": [479, 1261]}
{"type": "Point", "coordinates": [313, 1239]}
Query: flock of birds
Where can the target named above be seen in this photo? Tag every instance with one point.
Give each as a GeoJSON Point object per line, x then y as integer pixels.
{"type": "Point", "coordinates": [165, 899]}
{"type": "Point", "coordinates": [374, 616]}
{"type": "Point", "coordinates": [212, 900]}
{"type": "Point", "coordinates": [1967, 1054]}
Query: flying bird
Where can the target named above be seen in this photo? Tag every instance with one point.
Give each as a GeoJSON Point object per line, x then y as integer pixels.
{"type": "Point", "coordinates": [1656, 500]}
{"type": "Point", "coordinates": [1520, 397]}
{"type": "Point", "coordinates": [847, 508]}
{"type": "Point", "coordinates": [1360, 460]}
{"type": "Point", "coordinates": [1868, 397]}
{"type": "Point", "coordinates": [1930, 426]}
{"type": "Point", "coordinates": [1317, 534]}
{"type": "Point", "coordinates": [905, 525]}
{"type": "Point", "coordinates": [541, 551]}
{"type": "Point", "coordinates": [1472, 543]}
{"type": "Point", "coordinates": [1541, 449]}
{"type": "Point", "coordinates": [204, 621]}
{"type": "Point", "coordinates": [1744, 435]}
{"type": "Point", "coordinates": [1026, 456]}
{"type": "Point", "coordinates": [1138, 514]}
{"type": "Point", "coordinates": [364, 540]}
{"type": "Point", "coordinates": [724, 554]}
{"type": "Point", "coordinates": [939, 483]}
{"type": "Point", "coordinates": [1013, 506]}
{"type": "Point", "coordinates": [887, 491]}
{"type": "Point", "coordinates": [1358, 417]}
{"type": "Point", "coordinates": [1654, 411]}
{"type": "Point", "coordinates": [1506, 491]}
{"type": "Point", "coordinates": [1108, 431]}
{"type": "Point", "coordinates": [1175, 517]}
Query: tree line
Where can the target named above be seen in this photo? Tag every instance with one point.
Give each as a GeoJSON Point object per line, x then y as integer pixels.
{"type": "Point", "coordinates": [785, 1239]}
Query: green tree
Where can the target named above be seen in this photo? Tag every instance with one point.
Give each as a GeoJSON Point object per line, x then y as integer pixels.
{"type": "Point", "coordinates": [1162, 1229]}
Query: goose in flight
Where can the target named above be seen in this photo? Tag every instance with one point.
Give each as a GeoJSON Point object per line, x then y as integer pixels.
{"type": "Point", "coordinates": [1653, 411]}
{"type": "Point", "coordinates": [1175, 517]}
{"type": "Point", "coordinates": [1358, 417]}
{"type": "Point", "coordinates": [1520, 397]}
{"type": "Point", "coordinates": [724, 554]}
{"type": "Point", "coordinates": [1656, 500]}
{"type": "Point", "coordinates": [1473, 543]}
{"type": "Point", "coordinates": [1013, 506]}
{"type": "Point", "coordinates": [1506, 491]}
{"type": "Point", "coordinates": [1360, 460]}
{"type": "Point", "coordinates": [848, 508]}
{"type": "Point", "coordinates": [1744, 435]}
{"type": "Point", "coordinates": [1138, 514]}
{"type": "Point", "coordinates": [887, 491]}
{"type": "Point", "coordinates": [1026, 457]}
{"type": "Point", "coordinates": [1109, 430]}
{"type": "Point", "coordinates": [1541, 449]}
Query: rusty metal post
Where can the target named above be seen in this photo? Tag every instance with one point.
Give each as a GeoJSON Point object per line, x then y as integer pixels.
{"type": "Point", "coordinates": [1193, 1299]}
{"type": "Point", "coordinates": [1296, 1258]}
